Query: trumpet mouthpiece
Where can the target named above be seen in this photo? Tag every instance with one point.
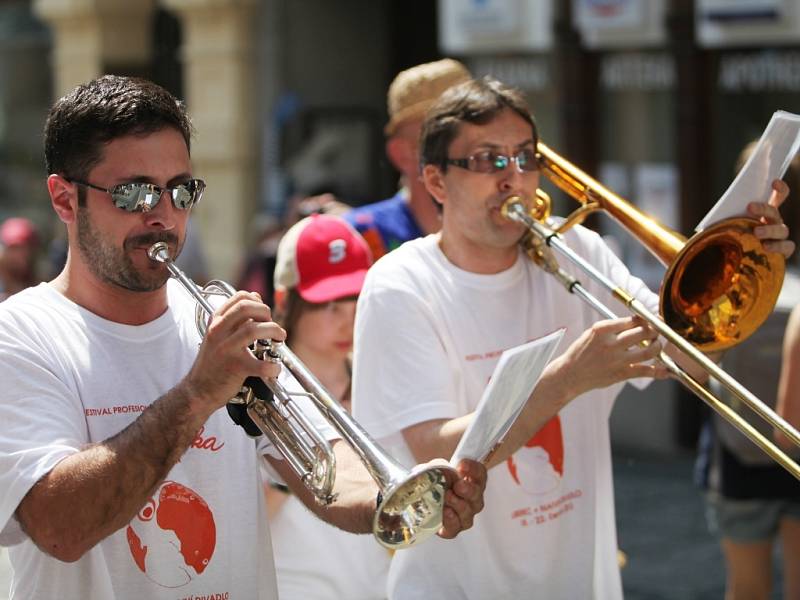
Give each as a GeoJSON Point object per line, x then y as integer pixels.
{"type": "Point", "coordinates": [511, 205]}
{"type": "Point", "coordinates": [158, 252]}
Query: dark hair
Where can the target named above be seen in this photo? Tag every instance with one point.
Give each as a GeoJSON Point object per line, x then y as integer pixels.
{"type": "Point", "coordinates": [288, 313]}
{"type": "Point", "coordinates": [95, 113]}
{"type": "Point", "coordinates": [476, 101]}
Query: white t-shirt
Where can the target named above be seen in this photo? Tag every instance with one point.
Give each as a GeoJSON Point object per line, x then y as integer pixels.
{"type": "Point", "coordinates": [317, 561]}
{"type": "Point", "coordinates": [71, 378]}
{"type": "Point", "coordinates": [428, 336]}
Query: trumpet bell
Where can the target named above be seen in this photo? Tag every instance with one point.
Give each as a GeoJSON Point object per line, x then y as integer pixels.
{"type": "Point", "coordinates": [410, 511]}
{"type": "Point", "coordinates": [721, 286]}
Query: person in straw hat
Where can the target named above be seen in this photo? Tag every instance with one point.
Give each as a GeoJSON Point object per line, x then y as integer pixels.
{"type": "Point", "coordinates": [410, 213]}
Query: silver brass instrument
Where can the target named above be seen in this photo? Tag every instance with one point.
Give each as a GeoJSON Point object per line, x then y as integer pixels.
{"type": "Point", "coordinates": [410, 502]}
{"type": "Point", "coordinates": [745, 294]}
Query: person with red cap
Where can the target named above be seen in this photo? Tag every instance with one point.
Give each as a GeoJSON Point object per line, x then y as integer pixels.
{"type": "Point", "coordinates": [19, 245]}
{"type": "Point", "coordinates": [321, 265]}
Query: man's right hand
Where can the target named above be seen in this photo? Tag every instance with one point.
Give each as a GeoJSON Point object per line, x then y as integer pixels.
{"type": "Point", "coordinates": [609, 352]}
{"type": "Point", "coordinates": [224, 360]}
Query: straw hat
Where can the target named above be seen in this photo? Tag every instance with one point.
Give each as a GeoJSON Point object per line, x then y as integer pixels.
{"type": "Point", "coordinates": [414, 90]}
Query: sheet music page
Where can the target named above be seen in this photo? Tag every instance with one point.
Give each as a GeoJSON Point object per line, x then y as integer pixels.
{"type": "Point", "coordinates": [512, 382]}
{"type": "Point", "coordinates": [769, 161]}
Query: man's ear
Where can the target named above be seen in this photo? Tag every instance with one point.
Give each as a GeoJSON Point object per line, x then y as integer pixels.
{"type": "Point", "coordinates": [63, 197]}
{"type": "Point", "coordinates": [402, 154]}
{"type": "Point", "coordinates": [433, 178]}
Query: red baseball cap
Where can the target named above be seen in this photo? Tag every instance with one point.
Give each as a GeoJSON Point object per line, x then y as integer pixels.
{"type": "Point", "coordinates": [18, 230]}
{"type": "Point", "coordinates": [323, 258]}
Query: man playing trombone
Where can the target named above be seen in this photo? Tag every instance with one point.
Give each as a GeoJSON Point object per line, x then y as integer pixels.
{"type": "Point", "coordinates": [432, 320]}
{"type": "Point", "coordinates": [122, 477]}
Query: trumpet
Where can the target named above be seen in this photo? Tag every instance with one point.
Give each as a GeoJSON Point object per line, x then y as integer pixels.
{"type": "Point", "coordinates": [720, 286]}
{"type": "Point", "coordinates": [410, 503]}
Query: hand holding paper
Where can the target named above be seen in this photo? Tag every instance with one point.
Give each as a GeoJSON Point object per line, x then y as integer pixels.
{"type": "Point", "coordinates": [512, 383]}
{"type": "Point", "coordinates": [770, 159]}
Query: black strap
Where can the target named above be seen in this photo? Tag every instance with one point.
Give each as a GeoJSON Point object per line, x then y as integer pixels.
{"type": "Point", "coordinates": [238, 412]}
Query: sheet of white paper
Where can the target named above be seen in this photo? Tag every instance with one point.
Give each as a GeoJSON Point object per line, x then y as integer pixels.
{"type": "Point", "coordinates": [512, 382]}
{"type": "Point", "coordinates": [769, 161]}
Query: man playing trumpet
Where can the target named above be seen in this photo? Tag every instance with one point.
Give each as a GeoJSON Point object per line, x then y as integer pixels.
{"type": "Point", "coordinates": [122, 477]}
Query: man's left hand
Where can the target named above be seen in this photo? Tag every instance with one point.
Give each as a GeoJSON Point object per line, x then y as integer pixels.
{"type": "Point", "coordinates": [464, 499]}
{"type": "Point", "coordinates": [773, 232]}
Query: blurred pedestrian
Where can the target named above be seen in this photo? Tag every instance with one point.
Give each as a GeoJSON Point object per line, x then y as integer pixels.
{"type": "Point", "coordinates": [411, 212]}
{"type": "Point", "coordinates": [19, 252]}
{"type": "Point", "coordinates": [321, 265]}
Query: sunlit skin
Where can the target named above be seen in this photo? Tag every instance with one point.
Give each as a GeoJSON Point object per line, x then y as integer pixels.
{"type": "Point", "coordinates": [475, 236]}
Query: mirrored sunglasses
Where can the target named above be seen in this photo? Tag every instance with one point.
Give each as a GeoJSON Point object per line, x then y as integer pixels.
{"type": "Point", "coordinates": [141, 197]}
{"type": "Point", "coordinates": [489, 161]}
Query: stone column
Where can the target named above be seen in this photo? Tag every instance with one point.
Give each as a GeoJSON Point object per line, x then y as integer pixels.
{"type": "Point", "coordinates": [91, 37]}
{"type": "Point", "coordinates": [220, 81]}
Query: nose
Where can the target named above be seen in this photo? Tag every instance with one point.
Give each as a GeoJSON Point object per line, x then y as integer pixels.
{"type": "Point", "coordinates": [164, 214]}
{"type": "Point", "coordinates": [513, 179]}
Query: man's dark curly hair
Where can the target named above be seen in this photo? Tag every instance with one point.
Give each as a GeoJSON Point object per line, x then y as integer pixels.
{"type": "Point", "coordinates": [82, 122]}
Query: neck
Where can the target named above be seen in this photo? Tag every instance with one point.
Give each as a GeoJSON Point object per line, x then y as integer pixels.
{"type": "Point", "coordinates": [422, 206]}
{"type": "Point", "coordinates": [483, 260]}
{"type": "Point", "coordinates": [113, 303]}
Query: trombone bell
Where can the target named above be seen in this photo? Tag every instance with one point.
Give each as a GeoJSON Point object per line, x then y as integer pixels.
{"type": "Point", "coordinates": [721, 285]}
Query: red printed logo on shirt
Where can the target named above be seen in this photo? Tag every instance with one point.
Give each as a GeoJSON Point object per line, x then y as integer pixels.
{"type": "Point", "coordinates": [538, 466]}
{"type": "Point", "coordinates": [173, 537]}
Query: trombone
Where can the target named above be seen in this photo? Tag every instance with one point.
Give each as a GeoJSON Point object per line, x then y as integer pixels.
{"type": "Point", "coordinates": [410, 503]}
{"type": "Point", "coordinates": [719, 288]}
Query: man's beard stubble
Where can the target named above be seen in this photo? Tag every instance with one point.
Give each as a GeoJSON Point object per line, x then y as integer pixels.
{"type": "Point", "coordinates": [114, 265]}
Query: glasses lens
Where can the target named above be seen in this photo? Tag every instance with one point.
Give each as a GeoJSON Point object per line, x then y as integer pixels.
{"type": "Point", "coordinates": [182, 196]}
{"type": "Point", "coordinates": [526, 160]}
{"type": "Point", "coordinates": [498, 161]}
{"type": "Point", "coordinates": [187, 194]}
{"type": "Point", "coordinates": [135, 197]}
{"type": "Point", "coordinates": [487, 162]}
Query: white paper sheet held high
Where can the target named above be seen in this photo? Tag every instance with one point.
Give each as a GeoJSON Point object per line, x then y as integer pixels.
{"type": "Point", "coordinates": [769, 161]}
{"type": "Point", "coordinates": [512, 382]}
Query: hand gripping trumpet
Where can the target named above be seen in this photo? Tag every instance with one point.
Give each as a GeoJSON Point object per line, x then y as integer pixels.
{"type": "Point", "coordinates": [410, 503]}
{"type": "Point", "coordinates": [723, 271]}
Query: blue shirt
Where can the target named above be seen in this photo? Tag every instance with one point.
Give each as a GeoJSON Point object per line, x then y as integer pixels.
{"type": "Point", "coordinates": [385, 225]}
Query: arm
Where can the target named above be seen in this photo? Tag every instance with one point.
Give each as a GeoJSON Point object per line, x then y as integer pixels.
{"type": "Point", "coordinates": [357, 494]}
{"type": "Point", "coordinates": [788, 404]}
{"type": "Point", "coordinates": [112, 479]}
{"type": "Point", "coordinates": [606, 353]}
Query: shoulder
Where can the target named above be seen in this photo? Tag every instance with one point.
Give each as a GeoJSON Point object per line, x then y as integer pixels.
{"type": "Point", "coordinates": [406, 269]}
{"type": "Point", "coordinates": [37, 302]}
